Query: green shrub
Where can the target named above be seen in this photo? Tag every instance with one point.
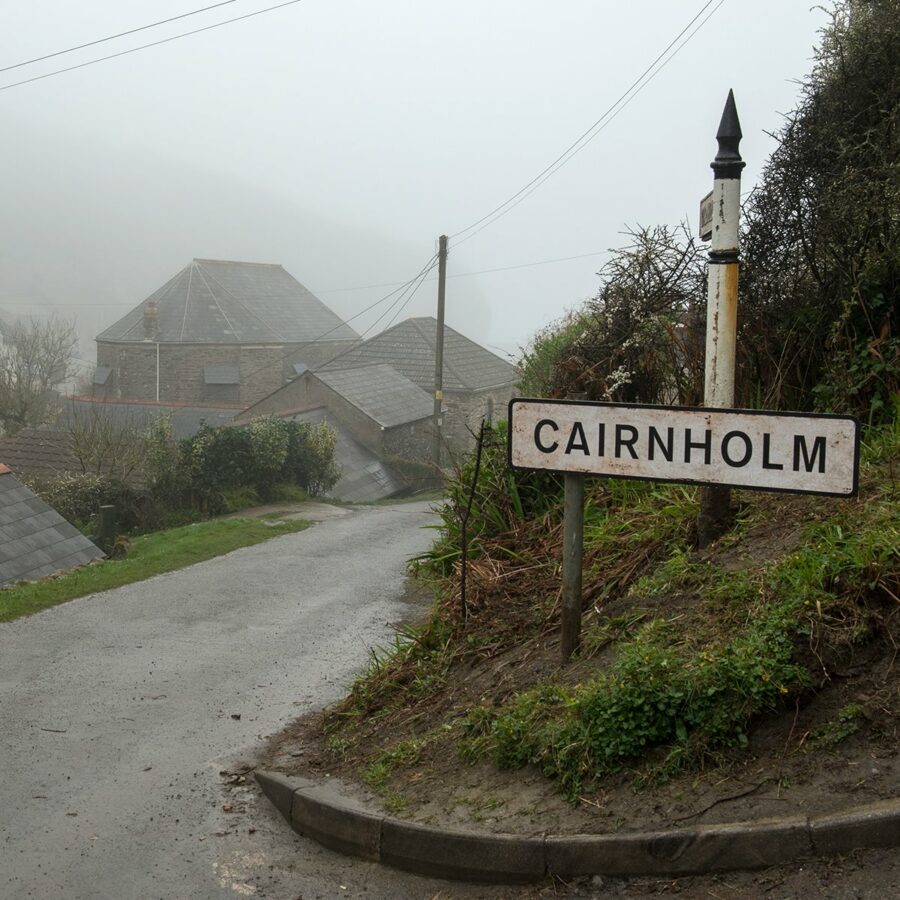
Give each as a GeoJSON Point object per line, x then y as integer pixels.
{"type": "Point", "coordinates": [503, 499]}
{"type": "Point", "coordinates": [310, 457]}
{"type": "Point", "coordinates": [258, 457]}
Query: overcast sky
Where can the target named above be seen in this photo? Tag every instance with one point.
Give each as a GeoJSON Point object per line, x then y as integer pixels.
{"type": "Point", "coordinates": [341, 137]}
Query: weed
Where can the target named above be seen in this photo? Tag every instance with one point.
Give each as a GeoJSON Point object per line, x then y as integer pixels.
{"type": "Point", "coordinates": [607, 630]}
{"type": "Point", "coordinates": [401, 755]}
{"type": "Point", "coordinates": [831, 733]}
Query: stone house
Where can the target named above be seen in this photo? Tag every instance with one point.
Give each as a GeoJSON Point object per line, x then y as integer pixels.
{"type": "Point", "coordinates": [376, 405]}
{"type": "Point", "coordinates": [476, 382]}
{"type": "Point", "coordinates": [217, 332]}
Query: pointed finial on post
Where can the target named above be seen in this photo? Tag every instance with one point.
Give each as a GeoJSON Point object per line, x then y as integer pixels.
{"type": "Point", "coordinates": [728, 162]}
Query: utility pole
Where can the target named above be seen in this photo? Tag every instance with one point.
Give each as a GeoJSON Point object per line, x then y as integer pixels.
{"type": "Point", "coordinates": [439, 353]}
{"type": "Point", "coordinates": [722, 299]}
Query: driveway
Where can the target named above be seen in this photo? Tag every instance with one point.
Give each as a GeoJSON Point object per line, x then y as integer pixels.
{"type": "Point", "coordinates": [119, 711]}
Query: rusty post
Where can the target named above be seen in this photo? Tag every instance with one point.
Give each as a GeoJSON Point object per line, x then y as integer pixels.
{"type": "Point", "coordinates": [722, 299]}
{"type": "Point", "coordinates": [572, 553]}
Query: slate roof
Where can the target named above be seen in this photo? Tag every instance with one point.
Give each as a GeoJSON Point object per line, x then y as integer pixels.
{"type": "Point", "coordinates": [409, 347]}
{"type": "Point", "coordinates": [381, 392]}
{"type": "Point", "coordinates": [35, 452]}
{"type": "Point", "coordinates": [223, 302]}
{"type": "Point", "coordinates": [35, 540]}
{"type": "Point", "coordinates": [186, 420]}
{"type": "Point", "coordinates": [363, 476]}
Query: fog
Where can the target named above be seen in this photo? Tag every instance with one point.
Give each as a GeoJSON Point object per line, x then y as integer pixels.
{"type": "Point", "coordinates": [341, 138]}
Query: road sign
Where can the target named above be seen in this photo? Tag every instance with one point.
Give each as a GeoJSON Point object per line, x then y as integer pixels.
{"type": "Point", "coordinates": [773, 451]}
{"type": "Point", "coordinates": [706, 217]}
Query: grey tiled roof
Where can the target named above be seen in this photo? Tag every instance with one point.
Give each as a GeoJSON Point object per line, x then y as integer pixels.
{"type": "Point", "coordinates": [381, 392]}
{"type": "Point", "coordinates": [363, 476]}
{"type": "Point", "coordinates": [101, 374]}
{"type": "Point", "coordinates": [186, 420]}
{"type": "Point", "coordinates": [410, 348]}
{"type": "Point", "coordinates": [35, 540]}
{"type": "Point", "coordinates": [217, 301]}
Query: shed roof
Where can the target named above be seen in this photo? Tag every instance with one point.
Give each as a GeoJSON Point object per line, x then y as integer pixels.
{"type": "Point", "coordinates": [364, 477]}
{"type": "Point", "coordinates": [35, 540]}
{"type": "Point", "coordinates": [381, 392]}
{"type": "Point", "coordinates": [409, 347]}
{"type": "Point", "coordinates": [224, 302]}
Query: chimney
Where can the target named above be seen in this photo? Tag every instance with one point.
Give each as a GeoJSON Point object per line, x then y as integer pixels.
{"type": "Point", "coordinates": [151, 321]}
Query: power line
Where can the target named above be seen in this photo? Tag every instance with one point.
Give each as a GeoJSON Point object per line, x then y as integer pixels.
{"type": "Point", "coordinates": [542, 262]}
{"type": "Point", "coordinates": [420, 279]}
{"type": "Point", "coordinates": [634, 89]}
{"type": "Point", "coordinates": [167, 40]}
{"type": "Point", "coordinates": [113, 37]}
{"type": "Point", "coordinates": [365, 287]}
{"type": "Point", "coordinates": [399, 290]}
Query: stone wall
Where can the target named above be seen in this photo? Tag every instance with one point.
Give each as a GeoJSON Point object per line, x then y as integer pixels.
{"type": "Point", "coordinates": [263, 368]}
{"type": "Point", "coordinates": [411, 441]}
{"type": "Point", "coordinates": [464, 412]}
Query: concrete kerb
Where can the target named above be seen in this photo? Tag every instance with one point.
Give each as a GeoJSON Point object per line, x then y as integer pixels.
{"type": "Point", "coordinates": [321, 811]}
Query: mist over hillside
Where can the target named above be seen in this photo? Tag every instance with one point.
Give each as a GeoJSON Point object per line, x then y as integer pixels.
{"type": "Point", "coordinates": [90, 231]}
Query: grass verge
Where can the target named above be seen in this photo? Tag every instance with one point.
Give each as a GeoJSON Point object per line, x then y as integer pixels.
{"type": "Point", "coordinates": [151, 554]}
{"type": "Point", "coordinates": [685, 653]}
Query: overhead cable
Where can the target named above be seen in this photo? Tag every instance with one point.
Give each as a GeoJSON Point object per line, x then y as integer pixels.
{"type": "Point", "coordinates": [581, 142]}
{"type": "Point", "coordinates": [399, 290]}
{"type": "Point", "coordinates": [113, 37]}
{"type": "Point", "coordinates": [174, 37]}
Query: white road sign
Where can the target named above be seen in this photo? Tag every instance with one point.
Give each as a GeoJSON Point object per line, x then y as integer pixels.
{"type": "Point", "coordinates": [800, 453]}
{"type": "Point", "coordinates": [706, 217]}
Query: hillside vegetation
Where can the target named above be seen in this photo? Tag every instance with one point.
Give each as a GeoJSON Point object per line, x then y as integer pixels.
{"type": "Point", "coordinates": [765, 652]}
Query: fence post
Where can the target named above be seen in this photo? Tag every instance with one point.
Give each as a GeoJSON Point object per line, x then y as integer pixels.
{"type": "Point", "coordinates": [106, 528]}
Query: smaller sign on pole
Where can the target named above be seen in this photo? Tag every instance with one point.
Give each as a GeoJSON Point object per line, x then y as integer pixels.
{"type": "Point", "coordinates": [743, 448]}
{"type": "Point", "coordinates": [706, 217]}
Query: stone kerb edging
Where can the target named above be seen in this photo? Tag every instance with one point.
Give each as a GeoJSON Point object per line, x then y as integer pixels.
{"type": "Point", "coordinates": [320, 811]}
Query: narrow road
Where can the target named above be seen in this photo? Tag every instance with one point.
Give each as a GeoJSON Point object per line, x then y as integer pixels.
{"type": "Point", "coordinates": [118, 711]}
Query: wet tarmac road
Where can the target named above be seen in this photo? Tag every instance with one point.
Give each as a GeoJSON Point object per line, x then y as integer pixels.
{"type": "Point", "coordinates": [118, 711]}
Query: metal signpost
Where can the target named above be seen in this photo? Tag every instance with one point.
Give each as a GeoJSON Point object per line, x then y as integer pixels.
{"type": "Point", "coordinates": [722, 300]}
{"type": "Point", "coordinates": [714, 446]}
